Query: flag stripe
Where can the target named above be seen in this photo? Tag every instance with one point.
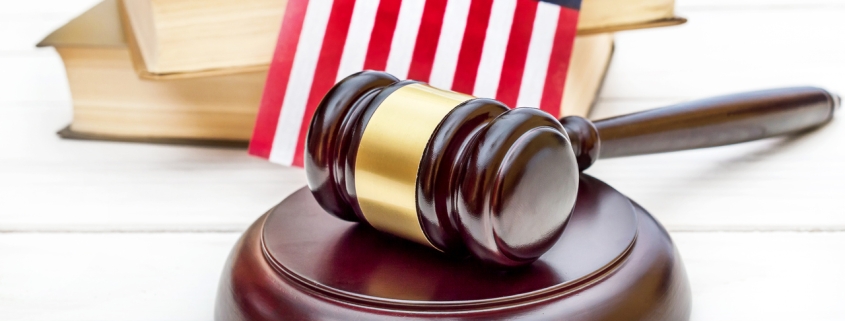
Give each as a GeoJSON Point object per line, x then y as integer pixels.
{"type": "Point", "coordinates": [404, 38]}
{"type": "Point", "coordinates": [296, 95]}
{"type": "Point", "coordinates": [277, 80]}
{"type": "Point", "coordinates": [490, 64]}
{"type": "Point", "coordinates": [449, 44]}
{"type": "Point", "coordinates": [471, 46]}
{"type": "Point", "coordinates": [382, 35]}
{"type": "Point", "coordinates": [426, 45]}
{"type": "Point", "coordinates": [327, 67]}
{"type": "Point", "coordinates": [539, 51]}
{"type": "Point", "coordinates": [358, 38]}
{"type": "Point", "coordinates": [517, 52]}
{"type": "Point", "coordinates": [559, 61]}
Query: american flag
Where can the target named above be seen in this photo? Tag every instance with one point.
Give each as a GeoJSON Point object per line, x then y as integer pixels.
{"type": "Point", "coordinates": [516, 51]}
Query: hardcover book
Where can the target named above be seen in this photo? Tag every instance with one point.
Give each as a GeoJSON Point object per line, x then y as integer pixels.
{"type": "Point", "coordinates": [110, 101]}
{"type": "Point", "coordinates": [181, 38]}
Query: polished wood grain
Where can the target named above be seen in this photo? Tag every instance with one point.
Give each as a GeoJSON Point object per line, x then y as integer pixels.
{"type": "Point", "coordinates": [333, 139]}
{"type": "Point", "coordinates": [716, 121]}
{"type": "Point", "coordinates": [516, 188]}
{"type": "Point", "coordinates": [481, 168]}
{"type": "Point", "coordinates": [448, 144]}
{"type": "Point", "coordinates": [298, 262]}
{"type": "Point", "coordinates": [709, 122]}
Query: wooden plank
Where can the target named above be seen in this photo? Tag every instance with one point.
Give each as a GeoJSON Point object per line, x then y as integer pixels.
{"type": "Point", "coordinates": [684, 5]}
{"type": "Point", "coordinates": [111, 276]}
{"type": "Point", "coordinates": [764, 276]}
{"type": "Point", "coordinates": [69, 8]}
{"type": "Point", "coordinates": [778, 184]}
{"type": "Point", "coordinates": [54, 184]}
{"type": "Point", "coordinates": [22, 33]}
{"type": "Point", "coordinates": [33, 76]}
{"type": "Point", "coordinates": [173, 276]}
{"type": "Point", "coordinates": [723, 51]}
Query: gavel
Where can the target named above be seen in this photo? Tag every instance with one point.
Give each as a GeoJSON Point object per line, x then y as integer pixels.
{"type": "Point", "coordinates": [471, 176]}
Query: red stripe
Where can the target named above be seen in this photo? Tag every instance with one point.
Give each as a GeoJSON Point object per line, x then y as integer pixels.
{"type": "Point", "coordinates": [277, 79]}
{"type": "Point", "coordinates": [517, 52]}
{"type": "Point", "coordinates": [382, 36]}
{"type": "Point", "coordinates": [559, 61]}
{"type": "Point", "coordinates": [472, 45]}
{"type": "Point", "coordinates": [325, 72]}
{"type": "Point", "coordinates": [427, 39]}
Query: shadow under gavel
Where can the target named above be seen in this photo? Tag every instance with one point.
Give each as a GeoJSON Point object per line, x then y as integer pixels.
{"type": "Point", "coordinates": [470, 175]}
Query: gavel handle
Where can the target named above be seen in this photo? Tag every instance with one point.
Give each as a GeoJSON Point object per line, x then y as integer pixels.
{"type": "Point", "coordinates": [707, 122]}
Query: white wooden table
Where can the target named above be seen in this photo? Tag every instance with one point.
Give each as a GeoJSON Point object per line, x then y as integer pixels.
{"type": "Point", "coordinates": [112, 231]}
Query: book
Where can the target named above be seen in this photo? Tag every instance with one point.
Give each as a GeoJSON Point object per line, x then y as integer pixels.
{"type": "Point", "coordinates": [181, 38]}
{"type": "Point", "coordinates": [110, 101]}
{"type": "Point", "coordinates": [591, 55]}
{"type": "Point", "coordinates": [186, 35]}
{"type": "Point", "coordinates": [601, 16]}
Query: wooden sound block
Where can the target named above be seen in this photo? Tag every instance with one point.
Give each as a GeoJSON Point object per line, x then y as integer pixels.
{"type": "Point", "coordinates": [612, 262]}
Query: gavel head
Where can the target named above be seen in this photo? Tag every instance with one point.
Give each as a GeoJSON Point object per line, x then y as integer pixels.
{"type": "Point", "coordinates": [446, 170]}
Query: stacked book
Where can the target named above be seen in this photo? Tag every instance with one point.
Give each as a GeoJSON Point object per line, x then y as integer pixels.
{"type": "Point", "coordinates": [193, 71]}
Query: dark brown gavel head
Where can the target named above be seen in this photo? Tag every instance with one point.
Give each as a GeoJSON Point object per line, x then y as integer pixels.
{"type": "Point", "coordinates": [446, 170]}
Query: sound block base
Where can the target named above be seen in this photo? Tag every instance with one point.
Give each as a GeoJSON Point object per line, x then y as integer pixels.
{"type": "Point", "coordinates": [613, 262]}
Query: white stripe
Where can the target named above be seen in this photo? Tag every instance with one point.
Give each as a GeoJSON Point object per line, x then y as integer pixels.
{"type": "Point", "coordinates": [404, 38]}
{"type": "Point", "coordinates": [449, 44]}
{"type": "Point", "coordinates": [299, 85]}
{"type": "Point", "coordinates": [539, 53]}
{"type": "Point", "coordinates": [358, 38]}
{"type": "Point", "coordinates": [493, 52]}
